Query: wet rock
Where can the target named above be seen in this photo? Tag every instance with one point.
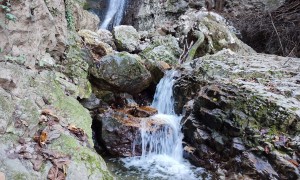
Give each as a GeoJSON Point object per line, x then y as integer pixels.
{"type": "Point", "coordinates": [121, 72]}
{"type": "Point", "coordinates": [185, 89]}
{"type": "Point", "coordinates": [144, 111]}
{"type": "Point", "coordinates": [128, 100]}
{"type": "Point", "coordinates": [157, 69]}
{"type": "Point", "coordinates": [218, 141]}
{"type": "Point", "coordinates": [284, 164]}
{"type": "Point", "coordinates": [91, 103]}
{"type": "Point", "coordinates": [126, 38]}
{"type": "Point", "coordinates": [259, 167]}
{"type": "Point", "coordinates": [116, 137]}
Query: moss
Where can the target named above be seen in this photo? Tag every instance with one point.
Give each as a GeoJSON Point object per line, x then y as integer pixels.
{"type": "Point", "coordinates": [81, 154]}
{"type": "Point", "coordinates": [264, 113]}
{"type": "Point", "coordinates": [69, 15]}
{"type": "Point", "coordinates": [8, 138]}
{"type": "Point", "coordinates": [76, 113]}
{"type": "Point", "coordinates": [20, 176]}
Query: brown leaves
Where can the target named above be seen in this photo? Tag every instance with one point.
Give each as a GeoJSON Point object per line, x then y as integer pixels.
{"type": "Point", "coordinates": [36, 150]}
{"type": "Point", "coordinates": [78, 132]}
{"type": "Point", "coordinates": [43, 138]}
{"type": "Point", "coordinates": [60, 161]}
{"type": "Point", "coordinates": [47, 114]}
{"type": "Point", "coordinates": [294, 162]}
{"type": "Point", "coordinates": [57, 173]}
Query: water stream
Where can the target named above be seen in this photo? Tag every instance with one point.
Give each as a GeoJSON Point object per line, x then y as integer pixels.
{"type": "Point", "coordinates": [162, 152]}
{"type": "Point", "coordinates": [114, 14]}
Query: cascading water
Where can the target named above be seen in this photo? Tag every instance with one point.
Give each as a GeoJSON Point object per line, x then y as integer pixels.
{"type": "Point", "coordinates": [162, 152]}
{"type": "Point", "coordinates": [114, 14]}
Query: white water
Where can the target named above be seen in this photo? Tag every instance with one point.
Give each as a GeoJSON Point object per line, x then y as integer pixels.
{"type": "Point", "coordinates": [114, 13]}
{"type": "Point", "coordinates": [162, 149]}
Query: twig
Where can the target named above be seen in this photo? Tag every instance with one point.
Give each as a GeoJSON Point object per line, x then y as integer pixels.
{"type": "Point", "coordinates": [288, 56]}
{"type": "Point", "coordinates": [276, 33]}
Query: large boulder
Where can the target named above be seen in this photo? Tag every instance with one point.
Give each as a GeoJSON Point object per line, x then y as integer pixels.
{"type": "Point", "coordinates": [126, 38]}
{"type": "Point", "coordinates": [163, 48]}
{"type": "Point", "coordinates": [107, 37]}
{"type": "Point", "coordinates": [93, 40]}
{"type": "Point", "coordinates": [116, 137]}
{"type": "Point", "coordinates": [121, 72]}
{"type": "Point", "coordinates": [118, 131]}
{"type": "Point", "coordinates": [244, 107]}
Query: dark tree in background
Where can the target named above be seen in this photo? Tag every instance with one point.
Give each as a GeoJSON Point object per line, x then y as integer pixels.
{"type": "Point", "coordinates": [275, 32]}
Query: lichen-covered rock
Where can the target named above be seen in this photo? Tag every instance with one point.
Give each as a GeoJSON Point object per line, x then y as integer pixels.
{"type": "Point", "coordinates": [107, 37]}
{"type": "Point", "coordinates": [38, 103]}
{"type": "Point", "coordinates": [40, 25]}
{"type": "Point", "coordinates": [154, 13]}
{"type": "Point", "coordinates": [84, 19]}
{"type": "Point", "coordinates": [121, 72]}
{"type": "Point", "coordinates": [217, 33]}
{"type": "Point", "coordinates": [235, 104]}
{"type": "Point", "coordinates": [93, 40]}
{"type": "Point", "coordinates": [126, 38]}
{"type": "Point", "coordinates": [163, 48]}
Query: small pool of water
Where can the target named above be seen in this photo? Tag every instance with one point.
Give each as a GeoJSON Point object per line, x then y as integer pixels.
{"type": "Point", "coordinates": [122, 171]}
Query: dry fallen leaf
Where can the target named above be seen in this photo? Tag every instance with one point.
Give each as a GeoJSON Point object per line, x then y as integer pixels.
{"type": "Point", "coordinates": [43, 138]}
{"type": "Point", "coordinates": [78, 132]}
{"type": "Point", "coordinates": [49, 112]}
{"type": "Point", "coordinates": [294, 162]}
{"type": "Point", "coordinates": [56, 173]}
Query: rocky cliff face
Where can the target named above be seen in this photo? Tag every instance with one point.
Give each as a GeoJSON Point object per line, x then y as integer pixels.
{"type": "Point", "coordinates": [153, 14]}
{"type": "Point", "coordinates": [44, 131]}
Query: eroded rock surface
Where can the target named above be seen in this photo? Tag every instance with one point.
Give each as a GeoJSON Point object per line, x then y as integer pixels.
{"type": "Point", "coordinates": [41, 125]}
{"type": "Point", "coordinates": [237, 104]}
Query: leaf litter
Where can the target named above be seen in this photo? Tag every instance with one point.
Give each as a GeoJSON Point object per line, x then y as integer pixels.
{"type": "Point", "coordinates": [35, 149]}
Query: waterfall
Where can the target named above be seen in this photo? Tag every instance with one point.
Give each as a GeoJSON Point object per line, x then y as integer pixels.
{"type": "Point", "coordinates": [114, 14]}
{"type": "Point", "coordinates": [162, 152]}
